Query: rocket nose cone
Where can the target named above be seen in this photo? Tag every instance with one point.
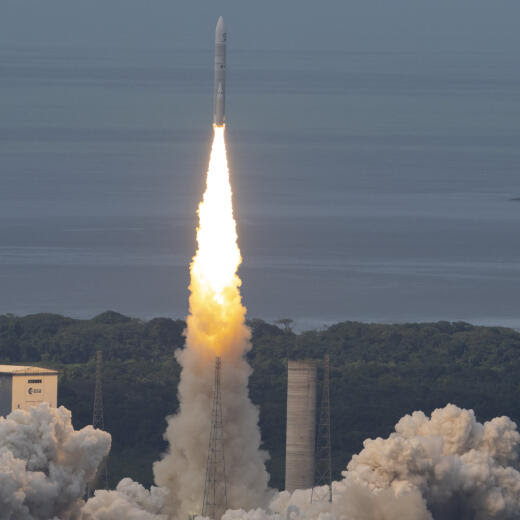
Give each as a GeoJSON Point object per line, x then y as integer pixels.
{"type": "Point", "coordinates": [220, 31]}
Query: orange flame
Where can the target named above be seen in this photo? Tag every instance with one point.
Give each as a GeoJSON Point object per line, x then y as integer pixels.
{"type": "Point", "coordinates": [216, 321]}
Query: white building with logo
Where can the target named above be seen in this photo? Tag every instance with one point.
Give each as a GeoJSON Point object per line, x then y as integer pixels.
{"type": "Point", "coordinates": [22, 387]}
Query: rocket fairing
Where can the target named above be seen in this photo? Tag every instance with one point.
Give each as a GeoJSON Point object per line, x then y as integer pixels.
{"type": "Point", "coordinates": [219, 93]}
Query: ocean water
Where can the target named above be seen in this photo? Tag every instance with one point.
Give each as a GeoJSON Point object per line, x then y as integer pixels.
{"type": "Point", "coordinates": [368, 186]}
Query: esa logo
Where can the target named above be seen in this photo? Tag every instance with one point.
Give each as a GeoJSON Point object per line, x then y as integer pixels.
{"type": "Point", "coordinates": [32, 391]}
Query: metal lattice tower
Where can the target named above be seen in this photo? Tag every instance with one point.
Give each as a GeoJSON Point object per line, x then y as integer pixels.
{"type": "Point", "coordinates": [97, 416]}
{"type": "Point", "coordinates": [99, 423]}
{"type": "Point", "coordinates": [323, 470]}
{"type": "Point", "coordinates": [215, 492]}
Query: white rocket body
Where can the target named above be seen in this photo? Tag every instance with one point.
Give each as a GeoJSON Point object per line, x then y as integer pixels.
{"type": "Point", "coordinates": [219, 94]}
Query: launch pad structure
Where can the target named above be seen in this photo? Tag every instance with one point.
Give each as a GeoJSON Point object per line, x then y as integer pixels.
{"type": "Point", "coordinates": [98, 422]}
{"type": "Point", "coordinates": [322, 489]}
{"type": "Point", "coordinates": [215, 488]}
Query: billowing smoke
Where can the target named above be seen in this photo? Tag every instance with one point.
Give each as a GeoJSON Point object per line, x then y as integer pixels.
{"type": "Point", "coordinates": [444, 467]}
{"type": "Point", "coordinates": [130, 501]}
{"type": "Point", "coordinates": [447, 467]}
{"type": "Point", "coordinates": [463, 469]}
{"type": "Point", "coordinates": [45, 464]}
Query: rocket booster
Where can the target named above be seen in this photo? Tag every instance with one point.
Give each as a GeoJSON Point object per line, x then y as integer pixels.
{"type": "Point", "coordinates": [219, 94]}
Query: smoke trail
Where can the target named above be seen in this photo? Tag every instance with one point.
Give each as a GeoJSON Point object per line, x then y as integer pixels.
{"type": "Point", "coordinates": [45, 464]}
{"type": "Point", "coordinates": [215, 326]}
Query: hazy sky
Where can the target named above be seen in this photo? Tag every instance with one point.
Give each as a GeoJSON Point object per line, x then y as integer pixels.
{"type": "Point", "coordinates": [358, 25]}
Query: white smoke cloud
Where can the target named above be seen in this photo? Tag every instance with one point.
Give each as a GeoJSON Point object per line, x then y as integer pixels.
{"type": "Point", "coordinates": [462, 468]}
{"type": "Point", "coordinates": [45, 464]}
{"type": "Point", "coordinates": [351, 501]}
{"type": "Point", "coordinates": [444, 467]}
{"type": "Point", "coordinates": [129, 501]}
{"type": "Point", "coordinates": [447, 467]}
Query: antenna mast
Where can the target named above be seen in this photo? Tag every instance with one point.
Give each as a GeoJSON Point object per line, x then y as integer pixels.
{"type": "Point", "coordinates": [323, 471]}
{"type": "Point", "coordinates": [215, 492]}
{"type": "Point", "coordinates": [99, 423]}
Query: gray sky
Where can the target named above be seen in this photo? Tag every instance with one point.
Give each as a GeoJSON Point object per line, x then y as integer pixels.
{"type": "Point", "coordinates": [357, 25]}
{"type": "Point", "coordinates": [378, 186]}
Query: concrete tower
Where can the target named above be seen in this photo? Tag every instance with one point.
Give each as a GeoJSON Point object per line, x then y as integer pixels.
{"type": "Point", "coordinates": [301, 425]}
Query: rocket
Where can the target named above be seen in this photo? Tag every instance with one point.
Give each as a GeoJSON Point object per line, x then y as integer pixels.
{"type": "Point", "coordinates": [219, 93]}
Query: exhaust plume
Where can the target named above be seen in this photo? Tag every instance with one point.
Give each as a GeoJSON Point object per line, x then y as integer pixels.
{"type": "Point", "coordinates": [215, 327]}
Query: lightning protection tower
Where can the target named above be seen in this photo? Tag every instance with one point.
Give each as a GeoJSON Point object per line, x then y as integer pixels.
{"type": "Point", "coordinates": [99, 423]}
{"type": "Point", "coordinates": [215, 492]}
{"type": "Point", "coordinates": [323, 471]}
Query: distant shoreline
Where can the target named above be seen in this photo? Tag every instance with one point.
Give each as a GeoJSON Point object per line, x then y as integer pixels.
{"type": "Point", "coordinates": [298, 325]}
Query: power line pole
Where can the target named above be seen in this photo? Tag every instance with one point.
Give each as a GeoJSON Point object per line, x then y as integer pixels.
{"type": "Point", "coordinates": [215, 492]}
{"type": "Point", "coordinates": [323, 463]}
{"type": "Point", "coordinates": [99, 423]}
